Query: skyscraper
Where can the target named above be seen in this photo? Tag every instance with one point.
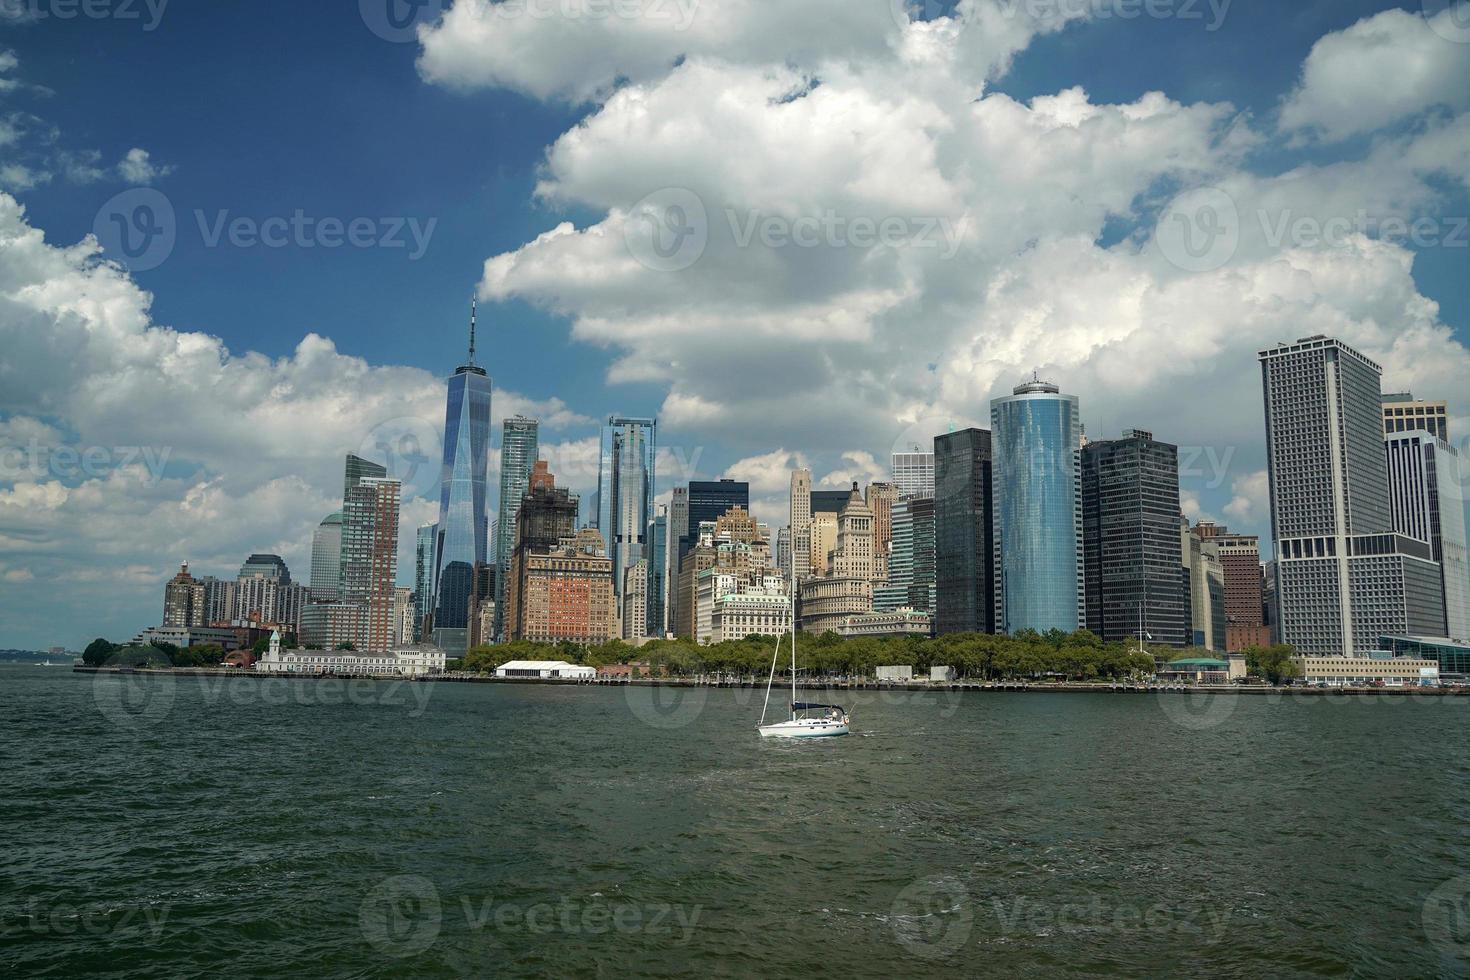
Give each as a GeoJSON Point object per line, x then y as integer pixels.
{"type": "Point", "coordinates": [370, 557]}
{"type": "Point", "coordinates": [625, 482]}
{"type": "Point", "coordinates": [547, 517]}
{"type": "Point", "coordinates": [911, 568]}
{"type": "Point", "coordinates": [423, 577]}
{"type": "Point", "coordinates": [1036, 437]}
{"type": "Point", "coordinates": [184, 600]}
{"type": "Point", "coordinates": [464, 515]}
{"type": "Point", "coordinates": [709, 500]}
{"type": "Point", "coordinates": [801, 523]}
{"type": "Point", "coordinates": [518, 451]}
{"type": "Point", "coordinates": [1344, 577]}
{"type": "Point", "coordinates": [1131, 542]}
{"type": "Point", "coordinates": [678, 548]}
{"type": "Point", "coordinates": [326, 559]}
{"type": "Point", "coordinates": [880, 498]}
{"type": "Point", "coordinates": [356, 469]}
{"type": "Point", "coordinates": [1428, 498]}
{"type": "Point", "coordinates": [658, 576]}
{"type": "Point", "coordinates": [964, 534]}
{"type": "Point", "coordinates": [913, 472]}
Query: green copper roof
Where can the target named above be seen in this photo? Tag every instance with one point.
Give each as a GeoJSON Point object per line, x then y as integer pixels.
{"type": "Point", "coordinates": [1200, 663]}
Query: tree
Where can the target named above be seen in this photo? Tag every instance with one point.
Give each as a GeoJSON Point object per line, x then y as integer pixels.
{"type": "Point", "coordinates": [348, 645]}
{"type": "Point", "coordinates": [1275, 663]}
{"type": "Point", "coordinates": [97, 652]}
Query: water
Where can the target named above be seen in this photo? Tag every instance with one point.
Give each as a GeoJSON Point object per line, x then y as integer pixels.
{"type": "Point", "coordinates": [232, 829]}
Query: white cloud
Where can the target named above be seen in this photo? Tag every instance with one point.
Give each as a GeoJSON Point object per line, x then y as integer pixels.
{"type": "Point", "coordinates": [1380, 70]}
{"type": "Point", "coordinates": [769, 473]}
{"type": "Point", "coordinates": [250, 446]}
{"type": "Point", "coordinates": [138, 168]}
{"type": "Point", "coordinates": [1250, 502]}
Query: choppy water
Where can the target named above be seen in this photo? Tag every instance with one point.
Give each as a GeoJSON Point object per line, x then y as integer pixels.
{"type": "Point", "coordinates": [178, 827]}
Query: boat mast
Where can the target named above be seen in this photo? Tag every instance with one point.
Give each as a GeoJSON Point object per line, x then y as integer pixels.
{"type": "Point", "coordinates": [793, 627]}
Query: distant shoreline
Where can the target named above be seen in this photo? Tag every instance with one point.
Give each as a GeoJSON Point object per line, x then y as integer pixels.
{"type": "Point", "coordinates": [1014, 687]}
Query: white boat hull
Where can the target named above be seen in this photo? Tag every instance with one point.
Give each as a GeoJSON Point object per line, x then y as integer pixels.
{"type": "Point", "coordinates": [805, 728]}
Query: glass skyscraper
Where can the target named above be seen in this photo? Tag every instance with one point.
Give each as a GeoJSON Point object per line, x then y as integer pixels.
{"type": "Point", "coordinates": [911, 581]}
{"type": "Point", "coordinates": [964, 542]}
{"type": "Point", "coordinates": [625, 481]}
{"type": "Point", "coordinates": [326, 559]}
{"type": "Point", "coordinates": [423, 577]}
{"type": "Point", "coordinates": [1132, 549]}
{"type": "Point", "coordinates": [1036, 437]}
{"type": "Point", "coordinates": [518, 450]}
{"type": "Point", "coordinates": [658, 576]}
{"type": "Point", "coordinates": [464, 515]}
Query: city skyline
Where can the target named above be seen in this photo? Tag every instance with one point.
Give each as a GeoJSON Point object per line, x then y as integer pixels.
{"type": "Point", "coordinates": [205, 401]}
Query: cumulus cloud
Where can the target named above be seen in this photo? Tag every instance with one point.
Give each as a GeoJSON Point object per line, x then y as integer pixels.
{"type": "Point", "coordinates": [127, 446]}
{"type": "Point", "coordinates": [138, 167]}
{"type": "Point", "coordinates": [1032, 235]}
{"type": "Point", "coordinates": [1382, 69]}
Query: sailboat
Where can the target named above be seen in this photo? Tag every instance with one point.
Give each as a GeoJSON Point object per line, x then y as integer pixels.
{"type": "Point", "coordinates": [808, 720]}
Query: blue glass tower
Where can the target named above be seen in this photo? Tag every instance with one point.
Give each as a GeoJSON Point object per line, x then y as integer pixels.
{"type": "Point", "coordinates": [464, 516]}
{"type": "Point", "coordinates": [1036, 436]}
{"type": "Point", "coordinates": [625, 491]}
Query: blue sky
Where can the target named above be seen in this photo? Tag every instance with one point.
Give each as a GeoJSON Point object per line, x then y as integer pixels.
{"type": "Point", "coordinates": [1034, 130]}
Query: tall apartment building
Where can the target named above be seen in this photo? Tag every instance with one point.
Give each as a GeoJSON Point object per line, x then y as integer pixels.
{"type": "Point", "coordinates": [625, 490]}
{"type": "Point", "coordinates": [185, 602]}
{"type": "Point", "coordinates": [1402, 412]}
{"type": "Point", "coordinates": [1036, 437]}
{"type": "Point", "coordinates": [264, 594]}
{"type": "Point", "coordinates": [1245, 600]}
{"type": "Point", "coordinates": [964, 533]}
{"type": "Point", "coordinates": [1427, 493]}
{"type": "Point", "coordinates": [370, 558]}
{"type": "Point", "coordinates": [801, 523]}
{"type": "Point", "coordinates": [519, 438]}
{"type": "Point", "coordinates": [1131, 543]}
{"type": "Point", "coordinates": [356, 469]}
{"type": "Point", "coordinates": [913, 472]}
{"type": "Point", "coordinates": [1345, 577]}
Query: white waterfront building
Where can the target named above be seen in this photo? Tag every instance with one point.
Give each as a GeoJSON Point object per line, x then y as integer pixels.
{"type": "Point", "coordinates": [416, 661]}
{"type": "Point", "coordinates": [544, 668]}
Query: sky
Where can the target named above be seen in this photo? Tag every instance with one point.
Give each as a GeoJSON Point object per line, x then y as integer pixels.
{"type": "Point", "coordinates": [240, 240]}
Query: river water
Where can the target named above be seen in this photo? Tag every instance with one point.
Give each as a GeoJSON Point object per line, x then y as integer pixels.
{"type": "Point", "coordinates": [180, 826]}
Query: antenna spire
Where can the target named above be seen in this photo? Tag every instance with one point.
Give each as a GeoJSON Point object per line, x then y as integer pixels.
{"type": "Point", "coordinates": [474, 302]}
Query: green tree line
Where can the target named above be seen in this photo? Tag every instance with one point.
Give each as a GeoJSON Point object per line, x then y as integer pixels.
{"type": "Point", "coordinates": [1075, 656]}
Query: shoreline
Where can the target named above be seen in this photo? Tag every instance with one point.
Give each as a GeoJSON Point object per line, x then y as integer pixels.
{"type": "Point", "coordinates": [1013, 687]}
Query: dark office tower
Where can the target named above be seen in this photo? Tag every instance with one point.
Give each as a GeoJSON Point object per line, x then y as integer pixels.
{"type": "Point", "coordinates": [356, 470]}
{"type": "Point", "coordinates": [1131, 549]}
{"type": "Point", "coordinates": [464, 515]}
{"type": "Point", "coordinates": [1345, 577]}
{"type": "Point", "coordinates": [658, 576]}
{"type": "Point", "coordinates": [678, 531]}
{"type": "Point", "coordinates": [711, 499]}
{"type": "Point", "coordinates": [964, 541]}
